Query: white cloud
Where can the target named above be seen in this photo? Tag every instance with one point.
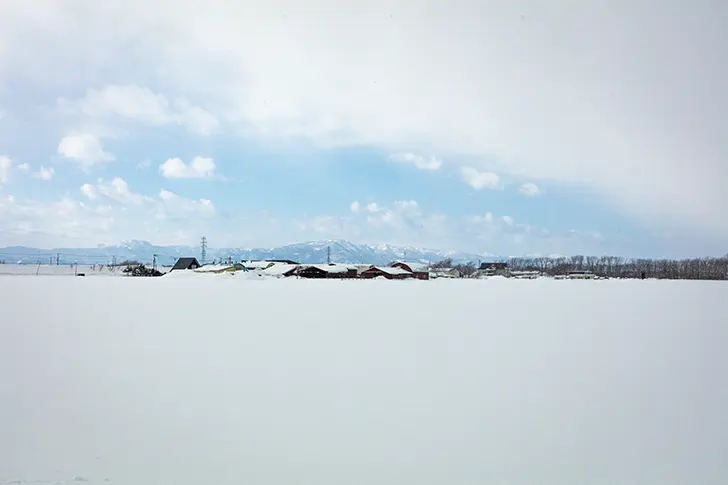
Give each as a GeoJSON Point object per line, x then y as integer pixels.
{"type": "Point", "coordinates": [5, 165]}
{"type": "Point", "coordinates": [488, 218]}
{"type": "Point", "coordinates": [480, 180]}
{"type": "Point", "coordinates": [140, 104]}
{"type": "Point", "coordinates": [418, 161]}
{"type": "Point", "coordinates": [632, 138]}
{"type": "Point", "coordinates": [44, 173]}
{"type": "Point", "coordinates": [199, 168]}
{"type": "Point", "coordinates": [65, 221]}
{"type": "Point", "coordinates": [508, 220]}
{"type": "Point", "coordinates": [23, 167]}
{"type": "Point", "coordinates": [406, 205]}
{"type": "Point", "coordinates": [373, 207]}
{"type": "Point", "coordinates": [118, 190]}
{"type": "Point", "coordinates": [175, 207]}
{"type": "Point", "coordinates": [84, 148]}
{"type": "Point", "coordinates": [111, 211]}
{"type": "Point", "coordinates": [354, 206]}
{"type": "Point", "coordinates": [530, 190]}
{"type": "Point", "coordinates": [89, 191]}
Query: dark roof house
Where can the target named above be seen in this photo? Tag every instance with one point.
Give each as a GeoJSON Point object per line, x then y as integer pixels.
{"type": "Point", "coordinates": [493, 266]}
{"type": "Point", "coordinates": [186, 263]}
{"type": "Point", "coordinates": [325, 271]}
{"type": "Point", "coordinates": [388, 272]}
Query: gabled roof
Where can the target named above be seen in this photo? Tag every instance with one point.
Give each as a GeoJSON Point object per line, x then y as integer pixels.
{"type": "Point", "coordinates": [185, 263]}
{"type": "Point", "coordinates": [328, 268]}
{"type": "Point", "coordinates": [391, 270]}
{"type": "Point", "coordinates": [415, 267]}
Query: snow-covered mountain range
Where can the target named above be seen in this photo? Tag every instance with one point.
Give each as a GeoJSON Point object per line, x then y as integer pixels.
{"type": "Point", "coordinates": [307, 252]}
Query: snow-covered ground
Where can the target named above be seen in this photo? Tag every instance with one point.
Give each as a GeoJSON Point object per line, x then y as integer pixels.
{"type": "Point", "coordinates": [64, 270]}
{"type": "Point", "coordinates": [201, 379]}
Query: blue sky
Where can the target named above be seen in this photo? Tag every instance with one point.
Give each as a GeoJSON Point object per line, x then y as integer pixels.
{"type": "Point", "coordinates": [531, 130]}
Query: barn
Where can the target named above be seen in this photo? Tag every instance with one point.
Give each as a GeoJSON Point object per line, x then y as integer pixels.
{"type": "Point", "coordinates": [389, 272]}
{"type": "Point", "coordinates": [186, 263]}
{"type": "Point", "coordinates": [419, 270]}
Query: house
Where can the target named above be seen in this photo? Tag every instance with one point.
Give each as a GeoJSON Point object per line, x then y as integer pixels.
{"type": "Point", "coordinates": [389, 272]}
{"type": "Point", "coordinates": [320, 271]}
{"type": "Point", "coordinates": [494, 269]}
{"type": "Point", "coordinates": [186, 263]}
{"type": "Point", "coordinates": [444, 273]}
{"type": "Point", "coordinates": [419, 270]}
{"type": "Point", "coordinates": [360, 268]}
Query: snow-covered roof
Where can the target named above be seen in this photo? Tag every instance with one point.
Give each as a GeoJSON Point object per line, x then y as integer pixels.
{"type": "Point", "coordinates": [213, 267]}
{"type": "Point", "coordinates": [416, 267]}
{"type": "Point", "coordinates": [279, 269]}
{"type": "Point", "coordinates": [329, 268]}
{"type": "Point", "coordinates": [256, 264]}
{"type": "Point", "coordinates": [391, 270]}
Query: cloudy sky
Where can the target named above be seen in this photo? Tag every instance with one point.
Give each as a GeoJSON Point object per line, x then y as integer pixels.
{"type": "Point", "coordinates": [506, 127]}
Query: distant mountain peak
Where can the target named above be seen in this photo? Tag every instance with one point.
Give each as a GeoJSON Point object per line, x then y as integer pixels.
{"type": "Point", "coordinates": [342, 251]}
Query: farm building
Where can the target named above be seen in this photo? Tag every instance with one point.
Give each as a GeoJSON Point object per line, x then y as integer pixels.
{"type": "Point", "coordinates": [419, 270]}
{"type": "Point", "coordinates": [321, 271]}
{"type": "Point", "coordinates": [581, 275]}
{"type": "Point", "coordinates": [186, 263]}
{"type": "Point", "coordinates": [389, 272]}
{"type": "Point", "coordinates": [444, 273]}
{"type": "Point", "coordinates": [494, 269]}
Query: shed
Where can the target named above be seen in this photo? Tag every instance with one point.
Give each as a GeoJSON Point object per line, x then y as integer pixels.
{"type": "Point", "coordinates": [186, 263]}
{"type": "Point", "coordinates": [419, 270]}
{"type": "Point", "coordinates": [389, 272]}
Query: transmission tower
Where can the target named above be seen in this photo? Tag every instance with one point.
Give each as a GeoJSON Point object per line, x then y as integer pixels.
{"type": "Point", "coordinates": [203, 250]}
{"type": "Point", "coordinates": [154, 261]}
{"type": "Point", "coordinates": [328, 254]}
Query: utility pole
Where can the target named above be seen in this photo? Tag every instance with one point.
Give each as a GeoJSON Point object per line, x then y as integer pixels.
{"type": "Point", "coordinates": [328, 254]}
{"type": "Point", "coordinates": [203, 249]}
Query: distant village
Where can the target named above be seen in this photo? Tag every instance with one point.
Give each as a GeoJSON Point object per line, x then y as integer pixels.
{"type": "Point", "coordinates": [398, 270]}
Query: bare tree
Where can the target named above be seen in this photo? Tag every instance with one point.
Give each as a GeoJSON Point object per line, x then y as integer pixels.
{"type": "Point", "coordinates": [445, 263]}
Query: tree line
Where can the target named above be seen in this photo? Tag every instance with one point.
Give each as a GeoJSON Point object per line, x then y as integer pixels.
{"type": "Point", "coordinates": [709, 268]}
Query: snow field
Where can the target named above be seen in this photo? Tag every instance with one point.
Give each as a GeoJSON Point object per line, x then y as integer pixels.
{"type": "Point", "coordinates": [218, 379]}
